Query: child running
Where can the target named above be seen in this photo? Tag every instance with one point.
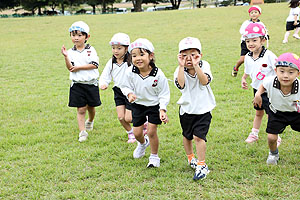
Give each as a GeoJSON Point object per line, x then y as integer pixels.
{"type": "Point", "coordinates": [284, 95]}
{"type": "Point", "coordinates": [259, 63]}
{"type": "Point", "coordinates": [82, 62]}
{"type": "Point", "coordinates": [147, 88]}
{"type": "Point", "coordinates": [192, 77]}
{"type": "Point", "coordinates": [254, 13]}
{"type": "Point", "coordinates": [292, 21]}
{"type": "Point", "coordinates": [115, 69]}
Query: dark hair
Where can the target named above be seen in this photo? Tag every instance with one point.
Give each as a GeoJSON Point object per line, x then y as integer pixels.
{"type": "Point", "coordinates": [294, 3]}
{"type": "Point", "coordinates": [83, 33]}
{"type": "Point", "coordinates": [191, 48]}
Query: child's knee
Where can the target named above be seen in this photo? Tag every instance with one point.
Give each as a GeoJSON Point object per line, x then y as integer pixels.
{"type": "Point", "coordinates": [272, 138]}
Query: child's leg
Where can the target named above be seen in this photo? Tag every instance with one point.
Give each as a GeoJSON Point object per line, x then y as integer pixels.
{"type": "Point", "coordinates": [200, 148]}
{"type": "Point", "coordinates": [258, 119]}
{"type": "Point", "coordinates": [121, 116]}
{"type": "Point", "coordinates": [138, 134]}
{"type": "Point", "coordinates": [295, 35]}
{"type": "Point", "coordinates": [152, 134]}
{"type": "Point", "coordinates": [272, 142]}
{"type": "Point", "coordinates": [273, 156]}
{"type": "Point", "coordinates": [286, 35]}
{"type": "Point", "coordinates": [128, 116]}
{"type": "Point", "coordinates": [91, 113]}
{"type": "Point", "coordinates": [188, 146]}
{"type": "Point", "coordinates": [81, 117]}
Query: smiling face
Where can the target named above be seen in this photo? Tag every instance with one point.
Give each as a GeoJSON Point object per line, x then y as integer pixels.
{"type": "Point", "coordinates": [141, 58]}
{"type": "Point", "coordinates": [255, 44]}
{"type": "Point", "coordinates": [188, 54]}
{"type": "Point", "coordinates": [78, 38]}
{"type": "Point", "coordinates": [286, 75]}
{"type": "Point", "coordinates": [119, 51]}
{"type": "Point", "coordinates": [254, 14]}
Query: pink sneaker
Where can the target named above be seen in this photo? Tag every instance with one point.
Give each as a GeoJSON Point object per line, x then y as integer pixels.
{"type": "Point", "coordinates": [131, 138]}
{"type": "Point", "coordinates": [278, 141]}
{"type": "Point", "coordinates": [145, 128]}
{"type": "Point", "coordinates": [251, 138]}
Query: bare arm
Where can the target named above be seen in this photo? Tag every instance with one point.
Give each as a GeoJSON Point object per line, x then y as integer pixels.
{"type": "Point", "coordinates": [64, 52]}
{"type": "Point", "coordinates": [200, 74]}
{"type": "Point", "coordinates": [244, 82]}
{"type": "Point", "coordinates": [180, 76]}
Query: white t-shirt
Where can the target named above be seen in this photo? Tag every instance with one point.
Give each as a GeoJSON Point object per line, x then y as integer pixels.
{"type": "Point", "coordinates": [293, 12]}
{"type": "Point", "coordinates": [150, 90]}
{"type": "Point", "coordinates": [196, 98]}
{"type": "Point", "coordinates": [279, 101]}
{"type": "Point", "coordinates": [261, 67]}
{"type": "Point", "coordinates": [244, 26]}
{"type": "Point", "coordinates": [113, 70]}
{"type": "Point", "coordinates": [78, 58]}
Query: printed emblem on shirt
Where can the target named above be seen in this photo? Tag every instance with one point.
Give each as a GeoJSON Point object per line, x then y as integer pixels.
{"type": "Point", "coordinates": [89, 53]}
{"type": "Point", "coordinates": [260, 76]}
{"type": "Point", "coordinates": [297, 104]}
{"type": "Point", "coordinates": [154, 83]}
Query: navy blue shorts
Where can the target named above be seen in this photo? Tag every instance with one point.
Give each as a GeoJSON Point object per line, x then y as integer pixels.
{"type": "Point", "coordinates": [139, 113]}
{"type": "Point", "coordinates": [120, 99]}
{"type": "Point", "coordinates": [197, 125]}
{"type": "Point", "coordinates": [278, 121]}
{"type": "Point", "coordinates": [84, 94]}
{"type": "Point", "coordinates": [290, 26]}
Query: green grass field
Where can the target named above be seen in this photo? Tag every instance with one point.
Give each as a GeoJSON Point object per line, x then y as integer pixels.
{"type": "Point", "coordinates": [40, 157]}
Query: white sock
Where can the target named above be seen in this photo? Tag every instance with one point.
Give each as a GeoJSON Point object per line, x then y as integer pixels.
{"type": "Point", "coordinates": [296, 31]}
{"type": "Point", "coordinates": [131, 131]}
{"type": "Point", "coordinates": [154, 155]}
{"type": "Point", "coordinates": [255, 131]}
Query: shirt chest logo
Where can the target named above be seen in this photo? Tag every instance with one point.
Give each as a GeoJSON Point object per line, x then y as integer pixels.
{"type": "Point", "coordinates": [297, 104]}
{"type": "Point", "coordinates": [154, 83]}
{"type": "Point", "coordinates": [260, 76]}
{"type": "Point", "coordinates": [89, 53]}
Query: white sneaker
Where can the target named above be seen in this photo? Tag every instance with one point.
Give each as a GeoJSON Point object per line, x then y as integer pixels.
{"type": "Point", "coordinates": [141, 148]}
{"type": "Point", "coordinates": [296, 36]}
{"type": "Point", "coordinates": [83, 136]}
{"type": "Point", "coordinates": [201, 172]}
{"type": "Point", "coordinates": [251, 138]}
{"type": "Point", "coordinates": [284, 41]}
{"type": "Point", "coordinates": [193, 163]}
{"type": "Point", "coordinates": [153, 162]}
{"type": "Point", "coordinates": [89, 125]}
{"type": "Point", "coordinates": [272, 159]}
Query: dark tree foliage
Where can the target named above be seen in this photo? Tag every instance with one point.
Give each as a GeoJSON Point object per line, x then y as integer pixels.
{"type": "Point", "coordinates": [7, 4]}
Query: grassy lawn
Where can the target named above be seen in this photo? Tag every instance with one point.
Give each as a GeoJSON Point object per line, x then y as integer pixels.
{"type": "Point", "coordinates": [40, 157]}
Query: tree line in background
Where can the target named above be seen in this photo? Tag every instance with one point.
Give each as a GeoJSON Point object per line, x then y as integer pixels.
{"type": "Point", "coordinates": [37, 5]}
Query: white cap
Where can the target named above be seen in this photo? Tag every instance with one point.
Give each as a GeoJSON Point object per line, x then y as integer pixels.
{"type": "Point", "coordinates": [80, 26]}
{"type": "Point", "coordinates": [189, 43]}
{"type": "Point", "coordinates": [120, 39]}
{"type": "Point", "coordinates": [141, 43]}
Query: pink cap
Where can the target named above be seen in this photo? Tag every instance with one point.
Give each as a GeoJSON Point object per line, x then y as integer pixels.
{"type": "Point", "coordinates": [254, 8]}
{"type": "Point", "coordinates": [288, 60]}
{"type": "Point", "coordinates": [254, 30]}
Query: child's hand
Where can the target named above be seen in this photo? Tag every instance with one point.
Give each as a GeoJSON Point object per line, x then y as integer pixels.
{"type": "Point", "coordinates": [244, 84]}
{"type": "Point", "coordinates": [257, 101]}
{"type": "Point", "coordinates": [103, 87]}
{"type": "Point", "coordinates": [181, 60]}
{"type": "Point", "coordinates": [64, 51]}
{"type": "Point", "coordinates": [163, 116]}
{"type": "Point", "coordinates": [195, 60]}
{"type": "Point", "coordinates": [295, 23]}
{"type": "Point", "coordinates": [131, 97]}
